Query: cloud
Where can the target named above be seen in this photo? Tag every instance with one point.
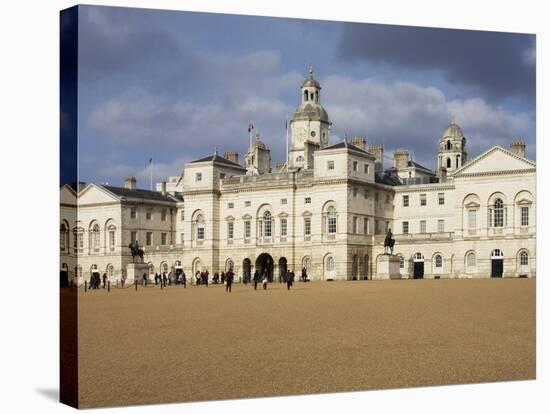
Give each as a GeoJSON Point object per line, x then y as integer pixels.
{"type": "Point", "coordinates": [500, 65]}
{"type": "Point", "coordinates": [405, 114]}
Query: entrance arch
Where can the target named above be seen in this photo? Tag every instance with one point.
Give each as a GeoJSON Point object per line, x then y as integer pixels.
{"type": "Point", "coordinates": [247, 269]}
{"type": "Point", "coordinates": [418, 260]}
{"type": "Point", "coordinates": [497, 263]}
{"type": "Point", "coordinates": [264, 262]}
{"type": "Point", "coordinates": [282, 268]}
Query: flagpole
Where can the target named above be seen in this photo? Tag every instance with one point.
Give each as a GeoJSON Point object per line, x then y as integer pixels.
{"type": "Point", "coordinates": [151, 170]}
{"type": "Point", "coordinates": [286, 131]}
{"type": "Point", "coordinates": [250, 128]}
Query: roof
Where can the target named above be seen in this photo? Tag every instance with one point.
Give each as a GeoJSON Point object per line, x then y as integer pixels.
{"type": "Point", "coordinates": [417, 165]}
{"type": "Point", "coordinates": [311, 111]}
{"type": "Point", "coordinates": [141, 194]}
{"type": "Point", "coordinates": [78, 186]}
{"type": "Point", "coordinates": [452, 131]}
{"type": "Point", "coordinates": [344, 144]}
{"type": "Point", "coordinates": [386, 179]}
{"type": "Point", "coordinates": [219, 159]}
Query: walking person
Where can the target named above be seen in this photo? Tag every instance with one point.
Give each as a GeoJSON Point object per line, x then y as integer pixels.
{"type": "Point", "coordinates": [144, 279]}
{"type": "Point", "coordinates": [104, 280]}
{"type": "Point", "coordinates": [164, 279]}
{"type": "Point", "coordinates": [228, 281]}
{"type": "Point", "coordinates": [265, 280]}
{"type": "Point", "coordinates": [304, 274]}
{"type": "Point", "coordinates": [256, 278]}
{"type": "Point", "coordinates": [183, 279]}
{"type": "Point", "coordinates": [206, 278]}
{"type": "Point", "coordinates": [289, 279]}
{"type": "Point", "coordinates": [123, 280]}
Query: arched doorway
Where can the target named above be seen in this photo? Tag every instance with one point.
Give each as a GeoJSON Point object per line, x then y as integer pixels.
{"type": "Point", "coordinates": [247, 269]}
{"type": "Point", "coordinates": [497, 263]}
{"type": "Point", "coordinates": [418, 261]}
{"type": "Point", "coordinates": [354, 267]}
{"type": "Point", "coordinates": [282, 268]}
{"type": "Point", "coordinates": [264, 262]}
{"type": "Point", "coordinates": [64, 276]}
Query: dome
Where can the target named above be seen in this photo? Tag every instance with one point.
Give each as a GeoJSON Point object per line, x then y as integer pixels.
{"type": "Point", "coordinates": [311, 111]}
{"type": "Point", "coordinates": [452, 131]}
{"type": "Point", "coordinates": [311, 82]}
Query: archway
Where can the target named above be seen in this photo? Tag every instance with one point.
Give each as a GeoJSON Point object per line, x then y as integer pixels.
{"type": "Point", "coordinates": [64, 276]}
{"type": "Point", "coordinates": [247, 269]}
{"type": "Point", "coordinates": [418, 261]}
{"type": "Point", "coordinates": [354, 267]}
{"type": "Point", "coordinates": [282, 268]}
{"type": "Point", "coordinates": [264, 262]}
{"type": "Point", "coordinates": [497, 263]}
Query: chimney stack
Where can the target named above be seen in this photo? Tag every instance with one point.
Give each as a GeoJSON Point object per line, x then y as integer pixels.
{"type": "Point", "coordinates": [378, 152]}
{"type": "Point", "coordinates": [130, 183]}
{"type": "Point", "coordinates": [232, 156]}
{"type": "Point", "coordinates": [359, 142]}
{"type": "Point", "coordinates": [518, 148]}
{"type": "Point", "coordinates": [163, 188]}
{"type": "Point", "coordinates": [401, 158]}
{"type": "Point", "coordinates": [442, 174]}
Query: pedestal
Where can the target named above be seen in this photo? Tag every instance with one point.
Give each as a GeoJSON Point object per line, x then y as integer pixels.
{"type": "Point", "coordinates": [388, 267]}
{"type": "Point", "coordinates": [135, 271]}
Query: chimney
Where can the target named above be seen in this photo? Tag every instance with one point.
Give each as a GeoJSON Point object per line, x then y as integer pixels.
{"type": "Point", "coordinates": [442, 174]}
{"type": "Point", "coordinates": [518, 148]}
{"type": "Point", "coordinates": [130, 183]}
{"type": "Point", "coordinates": [359, 142]}
{"type": "Point", "coordinates": [232, 156]}
{"type": "Point", "coordinates": [163, 188]}
{"type": "Point", "coordinates": [378, 152]}
{"type": "Point", "coordinates": [401, 158]}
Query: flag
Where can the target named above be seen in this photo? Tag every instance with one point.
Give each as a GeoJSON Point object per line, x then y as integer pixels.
{"type": "Point", "coordinates": [150, 160]}
{"type": "Point", "coordinates": [250, 126]}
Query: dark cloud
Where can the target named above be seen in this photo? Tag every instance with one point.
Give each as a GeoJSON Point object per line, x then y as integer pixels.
{"type": "Point", "coordinates": [499, 65]}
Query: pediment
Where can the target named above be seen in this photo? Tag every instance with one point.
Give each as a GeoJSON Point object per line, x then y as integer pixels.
{"type": "Point", "coordinates": [495, 160]}
{"type": "Point", "coordinates": [472, 204]}
{"type": "Point", "coordinates": [94, 194]}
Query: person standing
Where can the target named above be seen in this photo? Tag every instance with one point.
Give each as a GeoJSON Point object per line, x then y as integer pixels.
{"type": "Point", "coordinates": [228, 281]}
{"type": "Point", "coordinates": [265, 280]}
{"type": "Point", "coordinates": [256, 278]}
{"type": "Point", "coordinates": [183, 279]}
{"type": "Point", "coordinates": [289, 278]}
{"type": "Point", "coordinates": [104, 280]}
{"type": "Point", "coordinates": [164, 278]}
{"type": "Point", "coordinates": [223, 277]}
{"type": "Point", "coordinates": [304, 274]}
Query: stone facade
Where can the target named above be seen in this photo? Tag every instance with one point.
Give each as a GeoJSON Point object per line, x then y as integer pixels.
{"type": "Point", "coordinates": [327, 209]}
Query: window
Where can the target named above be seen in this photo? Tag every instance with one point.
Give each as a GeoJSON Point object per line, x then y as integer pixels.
{"type": "Point", "coordinates": [523, 259]}
{"type": "Point", "coordinates": [133, 236]}
{"type": "Point", "coordinates": [498, 213]}
{"type": "Point", "coordinates": [377, 226]}
{"type": "Point", "coordinates": [405, 200]}
{"type": "Point", "coordinates": [95, 237]}
{"type": "Point", "coordinates": [78, 236]}
{"type": "Point", "coordinates": [387, 199]}
{"type": "Point", "coordinates": [331, 220]}
{"type": "Point", "coordinates": [405, 227]}
{"type": "Point", "coordinates": [149, 238]}
{"type": "Point", "coordinates": [163, 239]}
{"type": "Point", "coordinates": [200, 227]}
{"type": "Point", "coordinates": [267, 224]}
{"type": "Point", "coordinates": [182, 238]}
{"type": "Point", "coordinates": [133, 212]}
{"type": "Point", "coordinates": [355, 191]}
{"type": "Point", "coordinates": [230, 205]}
{"type": "Point", "coordinates": [330, 165]}
{"type": "Point", "coordinates": [247, 203]}
{"type": "Point", "coordinates": [148, 214]}
{"type": "Point", "coordinates": [283, 227]}
{"type": "Point", "coordinates": [471, 260]}
{"type": "Point", "coordinates": [355, 165]}
{"type": "Point", "coordinates": [365, 226]}
{"type": "Point", "coordinates": [283, 200]}
{"type": "Point", "coordinates": [422, 199]}
{"type": "Point", "coordinates": [63, 237]}
{"type": "Point", "coordinates": [182, 215]}
{"type": "Point", "coordinates": [422, 226]}
{"type": "Point", "coordinates": [441, 198]}
{"type": "Point", "coordinates": [247, 229]}
{"type": "Point", "coordinates": [222, 176]}
{"type": "Point", "coordinates": [366, 167]}
{"type": "Point", "coordinates": [472, 219]}
{"type": "Point", "coordinates": [401, 262]}
{"type": "Point", "coordinates": [330, 264]}
{"type": "Point", "coordinates": [198, 177]}
{"type": "Point", "coordinates": [438, 261]}
{"type": "Point", "coordinates": [376, 196]}
{"type": "Point", "coordinates": [307, 200]}
{"type": "Point", "coordinates": [354, 228]}
{"type": "Point", "coordinates": [307, 226]}
{"type": "Point", "coordinates": [440, 226]}
{"type": "Point", "coordinates": [163, 215]}
{"type": "Point", "coordinates": [524, 216]}
{"type": "Point", "coordinates": [366, 194]}
{"type": "Point", "coordinates": [112, 239]}
{"type": "Point", "coordinates": [230, 230]}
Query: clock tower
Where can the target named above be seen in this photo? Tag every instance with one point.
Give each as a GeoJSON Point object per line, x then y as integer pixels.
{"type": "Point", "coordinates": [309, 125]}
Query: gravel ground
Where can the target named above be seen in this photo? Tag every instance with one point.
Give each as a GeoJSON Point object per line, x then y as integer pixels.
{"type": "Point", "coordinates": [200, 343]}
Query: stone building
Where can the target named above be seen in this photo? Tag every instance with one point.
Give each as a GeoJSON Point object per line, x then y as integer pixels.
{"type": "Point", "coordinates": [326, 210]}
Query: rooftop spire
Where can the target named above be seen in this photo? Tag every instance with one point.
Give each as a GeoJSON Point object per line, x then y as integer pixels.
{"type": "Point", "coordinates": [310, 72]}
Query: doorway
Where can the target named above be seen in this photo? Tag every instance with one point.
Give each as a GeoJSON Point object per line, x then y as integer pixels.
{"type": "Point", "coordinates": [497, 263]}
{"type": "Point", "coordinates": [264, 263]}
{"type": "Point", "coordinates": [418, 270]}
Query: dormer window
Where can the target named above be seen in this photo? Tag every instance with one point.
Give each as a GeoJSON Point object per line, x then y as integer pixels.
{"type": "Point", "coordinates": [198, 177]}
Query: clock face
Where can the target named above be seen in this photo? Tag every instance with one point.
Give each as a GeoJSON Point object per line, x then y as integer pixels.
{"type": "Point", "coordinates": [312, 134]}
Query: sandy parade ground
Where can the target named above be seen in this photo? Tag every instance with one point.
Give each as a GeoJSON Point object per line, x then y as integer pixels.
{"type": "Point", "coordinates": [199, 343]}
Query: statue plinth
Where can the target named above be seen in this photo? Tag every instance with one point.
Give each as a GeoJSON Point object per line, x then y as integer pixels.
{"type": "Point", "coordinates": [135, 271]}
{"type": "Point", "coordinates": [388, 267]}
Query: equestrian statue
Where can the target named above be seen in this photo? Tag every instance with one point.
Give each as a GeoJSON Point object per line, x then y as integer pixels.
{"type": "Point", "coordinates": [136, 251]}
{"type": "Point", "coordinates": [389, 242]}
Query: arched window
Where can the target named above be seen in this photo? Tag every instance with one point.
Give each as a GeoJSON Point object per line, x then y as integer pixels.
{"type": "Point", "coordinates": [331, 220]}
{"type": "Point", "coordinates": [78, 239]}
{"type": "Point", "coordinates": [110, 271]}
{"type": "Point", "coordinates": [306, 263]}
{"type": "Point", "coordinates": [267, 220]}
{"type": "Point", "coordinates": [497, 253]}
{"type": "Point", "coordinates": [316, 96]}
{"type": "Point", "coordinates": [524, 258]}
{"type": "Point", "coordinates": [438, 261]}
{"type": "Point", "coordinates": [448, 163]}
{"type": "Point", "coordinates": [470, 261]}
{"type": "Point", "coordinates": [63, 233]}
{"type": "Point", "coordinates": [112, 231]}
{"type": "Point", "coordinates": [449, 145]}
{"type": "Point", "coordinates": [305, 96]}
{"type": "Point", "coordinates": [200, 227]}
{"type": "Point", "coordinates": [94, 239]}
{"type": "Point", "coordinates": [498, 213]}
{"type": "Point", "coordinates": [229, 265]}
{"type": "Point", "coordinates": [330, 263]}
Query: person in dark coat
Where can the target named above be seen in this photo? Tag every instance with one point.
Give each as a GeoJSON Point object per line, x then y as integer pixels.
{"type": "Point", "coordinates": [289, 279]}
{"type": "Point", "coordinates": [104, 280]}
{"type": "Point", "coordinates": [164, 279]}
{"type": "Point", "coordinates": [304, 274]}
{"type": "Point", "coordinates": [256, 278]}
{"type": "Point", "coordinates": [228, 281]}
{"type": "Point", "coordinates": [183, 279]}
{"type": "Point", "coordinates": [223, 277]}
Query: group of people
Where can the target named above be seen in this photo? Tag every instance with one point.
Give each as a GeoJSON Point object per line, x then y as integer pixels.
{"type": "Point", "coordinates": [177, 278]}
{"type": "Point", "coordinates": [95, 281]}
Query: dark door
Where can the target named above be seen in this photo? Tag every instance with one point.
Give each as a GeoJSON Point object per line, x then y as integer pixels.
{"type": "Point", "coordinates": [497, 267]}
{"type": "Point", "coordinates": [418, 270]}
{"type": "Point", "coordinates": [64, 278]}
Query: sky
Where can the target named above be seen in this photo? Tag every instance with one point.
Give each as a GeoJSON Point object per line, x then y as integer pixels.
{"type": "Point", "coordinates": [173, 86]}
